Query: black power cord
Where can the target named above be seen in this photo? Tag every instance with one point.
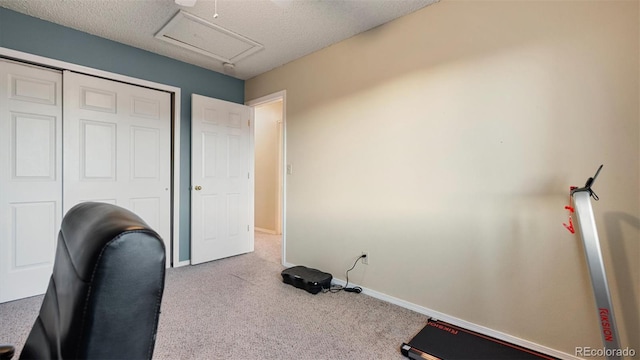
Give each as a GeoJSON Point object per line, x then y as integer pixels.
{"type": "Point", "coordinates": [355, 289]}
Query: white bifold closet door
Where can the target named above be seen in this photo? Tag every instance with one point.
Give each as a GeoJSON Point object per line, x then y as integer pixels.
{"type": "Point", "coordinates": [30, 177]}
{"type": "Point", "coordinates": [117, 148]}
{"type": "Point", "coordinates": [106, 141]}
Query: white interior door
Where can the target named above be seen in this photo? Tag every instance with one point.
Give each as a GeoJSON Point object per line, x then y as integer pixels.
{"type": "Point", "coordinates": [221, 180]}
{"type": "Point", "coordinates": [117, 148]}
{"type": "Point", "coordinates": [30, 177]}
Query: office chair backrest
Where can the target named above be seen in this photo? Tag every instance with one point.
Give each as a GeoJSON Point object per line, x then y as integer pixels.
{"type": "Point", "coordinates": [103, 299]}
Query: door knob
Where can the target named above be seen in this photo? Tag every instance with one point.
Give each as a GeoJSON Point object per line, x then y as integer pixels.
{"type": "Point", "coordinates": [198, 188]}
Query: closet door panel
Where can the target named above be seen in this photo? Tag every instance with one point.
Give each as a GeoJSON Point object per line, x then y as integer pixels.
{"type": "Point", "coordinates": [117, 148]}
{"type": "Point", "coordinates": [31, 177]}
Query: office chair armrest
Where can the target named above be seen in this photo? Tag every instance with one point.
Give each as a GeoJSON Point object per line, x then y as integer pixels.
{"type": "Point", "coordinates": [6, 352]}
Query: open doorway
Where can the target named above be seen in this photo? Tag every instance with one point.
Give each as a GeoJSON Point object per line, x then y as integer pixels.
{"type": "Point", "coordinates": [267, 127]}
{"type": "Point", "coordinates": [269, 140]}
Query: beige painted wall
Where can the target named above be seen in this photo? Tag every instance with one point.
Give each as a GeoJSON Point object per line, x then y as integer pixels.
{"type": "Point", "coordinates": [267, 130]}
{"type": "Point", "coordinates": [444, 144]}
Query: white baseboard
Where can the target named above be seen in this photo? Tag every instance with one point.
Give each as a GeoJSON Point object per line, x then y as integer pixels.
{"type": "Point", "coordinates": [272, 232]}
{"type": "Point", "coordinates": [436, 315]}
{"type": "Point", "coordinates": [182, 263]}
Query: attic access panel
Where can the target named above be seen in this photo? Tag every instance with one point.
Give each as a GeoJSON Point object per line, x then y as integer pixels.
{"type": "Point", "coordinates": [196, 34]}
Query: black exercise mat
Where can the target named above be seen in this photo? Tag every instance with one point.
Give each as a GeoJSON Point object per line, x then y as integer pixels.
{"type": "Point", "coordinates": [443, 341]}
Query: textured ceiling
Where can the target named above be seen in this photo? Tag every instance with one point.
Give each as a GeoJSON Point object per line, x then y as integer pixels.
{"type": "Point", "coordinates": [288, 29]}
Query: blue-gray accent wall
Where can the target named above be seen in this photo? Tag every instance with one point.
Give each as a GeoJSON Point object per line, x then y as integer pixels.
{"type": "Point", "coordinates": [31, 35]}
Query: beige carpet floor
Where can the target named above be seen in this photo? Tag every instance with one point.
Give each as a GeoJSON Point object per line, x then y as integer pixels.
{"type": "Point", "coordinates": [238, 308]}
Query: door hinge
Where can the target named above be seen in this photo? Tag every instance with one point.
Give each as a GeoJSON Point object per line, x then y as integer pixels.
{"type": "Point", "coordinates": [247, 227]}
{"type": "Point", "coordinates": [249, 123]}
{"type": "Point", "coordinates": [248, 175]}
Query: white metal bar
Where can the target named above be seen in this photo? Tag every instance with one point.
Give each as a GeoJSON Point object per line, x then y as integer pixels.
{"type": "Point", "coordinates": [589, 233]}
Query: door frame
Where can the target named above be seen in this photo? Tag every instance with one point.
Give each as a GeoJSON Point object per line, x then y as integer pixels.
{"type": "Point", "coordinates": [282, 190]}
{"type": "Point", "coordinates": [175, 128]}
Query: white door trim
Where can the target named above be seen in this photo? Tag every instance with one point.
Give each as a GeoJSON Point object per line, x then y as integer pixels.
{"type": "Point", "coordinates": [63, 65]}
{"type": "Point", "coordinates": [282, 196]}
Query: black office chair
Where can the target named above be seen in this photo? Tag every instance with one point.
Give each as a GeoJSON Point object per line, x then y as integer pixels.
{"type": "Point", "coordinates": [103, 299]}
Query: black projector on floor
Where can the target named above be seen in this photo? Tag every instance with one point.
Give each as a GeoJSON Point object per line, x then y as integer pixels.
{"type": "Point", "coordinates": [311, 280]}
